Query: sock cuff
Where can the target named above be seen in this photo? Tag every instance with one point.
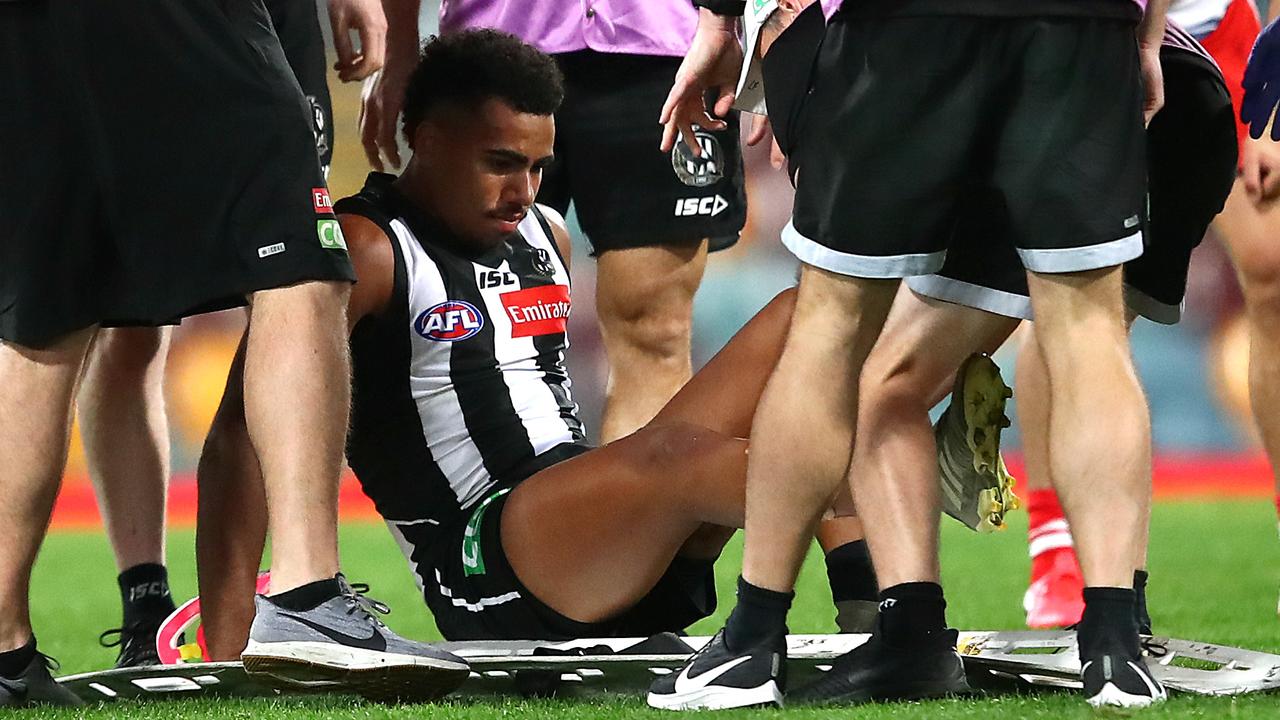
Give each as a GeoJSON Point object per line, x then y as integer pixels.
{"type": "Point", "coordinates": [763, 597]}
{"type": "Point", "coordinates": [913, 591]}
{"type": "Point", "coordinates": [1140, 580]}
{"type": "Point", "coordinates": [1104, 595]}
{"type": "Point", "coordinates": [143, 573]}
{"type": "Point", "coordinates": [306, 597]}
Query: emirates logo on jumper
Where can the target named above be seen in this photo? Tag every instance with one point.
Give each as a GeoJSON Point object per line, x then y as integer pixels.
{"type": "Point", "coordinates": [542, 310]}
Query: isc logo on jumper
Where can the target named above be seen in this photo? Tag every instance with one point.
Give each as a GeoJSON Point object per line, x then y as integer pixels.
{"type": "Point", "coordinates": [450, 321]}
{"type": "Point", "coordinates": [542, 310]}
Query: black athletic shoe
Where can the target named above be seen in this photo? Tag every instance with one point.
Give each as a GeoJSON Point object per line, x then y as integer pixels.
{"type": "Point", "coordinates": [137, 643]}
{"type": "Point", "coordinates": [716, 678]}
{"type": "Point", "coordinates": [876, 670]}
{"type": "Point", "coordinates": [36, 686]}
{"type": "Point", "coordinates": [1119, 682]}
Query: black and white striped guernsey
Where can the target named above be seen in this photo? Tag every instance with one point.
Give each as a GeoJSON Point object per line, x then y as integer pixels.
{"type": "Point", "coordinates": [459, 386]}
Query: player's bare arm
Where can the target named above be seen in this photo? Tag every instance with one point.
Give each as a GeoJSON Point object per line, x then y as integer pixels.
{"type": "Point", "coordinates": [375, 265]}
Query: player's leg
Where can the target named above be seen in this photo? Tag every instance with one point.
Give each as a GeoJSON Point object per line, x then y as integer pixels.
{"type": "Point", "coordinates": [231, 523]}
{"type": "Point", "coordinates": [1053, 598]}
{"type": "Point", "coordinates": [297, 392]}
{"type": "Point", "coordinates": [1191, 161]}
{"type": "Point", "coordinates": [651, 221]}
{"type": "Point", "coordinates": [37, 387]}
{"type": "Point", "coordinates": [637, 501]}
{"type": "Point", "coordinates": [644, 301]}
{"type": "Point", "coordinates": [122, 416]}
{"type": "Point", "coordinates": [894, 474]}
{"type": "Point", "coordinates": [1249, 229]}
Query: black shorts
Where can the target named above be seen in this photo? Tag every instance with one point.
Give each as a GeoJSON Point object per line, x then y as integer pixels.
{"type": "Point", "coordinates": [1191, 161]}
{"type": "Point", "coordinates": [297, 25]}
{"type": "Point", "coordinates": [911, 119]}
{"type": "Point", "coordinates": [626, 191]}
{"type": "Point", "coordinates": [475, 595]}
{"type": "Point", "coordinates": [167, 172]}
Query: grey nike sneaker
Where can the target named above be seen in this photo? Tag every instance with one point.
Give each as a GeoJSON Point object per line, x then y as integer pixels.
{"type": "Point", "coordinates": [36, 686]}
{"type": "Point", "coordinates": [342, 644]}
{"type": "Point", "coordinates": [977, 490]}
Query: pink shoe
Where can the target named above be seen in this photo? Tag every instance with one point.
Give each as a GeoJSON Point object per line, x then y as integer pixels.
{"type": "Point", "coordinates": [1055, 598]}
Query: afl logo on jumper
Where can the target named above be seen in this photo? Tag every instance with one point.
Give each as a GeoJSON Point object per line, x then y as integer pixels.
{"type": "Point", "coordinates": [698, 171]}
{"type": "Point", "coordinates": [450, 321]}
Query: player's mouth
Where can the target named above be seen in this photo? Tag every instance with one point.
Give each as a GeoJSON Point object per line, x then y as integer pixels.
{"type": "Point", "coordinates": [508, 221]}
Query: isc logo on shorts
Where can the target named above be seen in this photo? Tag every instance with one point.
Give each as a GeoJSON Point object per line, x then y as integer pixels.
{"type": "Point", "coordinates": [687, 207]}
{"type": "Point", "coordinates": [450, 321]}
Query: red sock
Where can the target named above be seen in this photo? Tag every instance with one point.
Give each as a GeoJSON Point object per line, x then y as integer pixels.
{"type": "Point", "coordinates": [1048, 533]}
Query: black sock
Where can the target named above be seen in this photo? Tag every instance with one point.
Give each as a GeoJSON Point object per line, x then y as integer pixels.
{"type": "Point", "coordinates": [144, 593]}
{"type": "Point", "coordinates": [759, 615]}
{"type": "Point", "coordinates": [1109, 625]}
{"type": "Point", "coordinates": [1140, 602]}
{"type": "Point", "coordinates": [850, 573]}
{"type": "Point", "coordinates": [305, 597]}
{"type": "Point", "coordinates": [13, 662]}
{"type": "Point", "coordinates": [912, 613]}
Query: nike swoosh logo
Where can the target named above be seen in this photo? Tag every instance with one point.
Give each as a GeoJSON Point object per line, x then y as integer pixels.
{"type": "Point", "coordinates": [374, 642]}
{"type": "Point", "coordinates": [685, 684]}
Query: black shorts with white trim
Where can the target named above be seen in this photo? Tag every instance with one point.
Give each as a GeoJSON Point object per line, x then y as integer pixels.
{"type": "Point", "coordinates": [474, 594]}
{"type": "Point", "coordinates": [911, 120]}
{"type": "Point", "coordinates": [1191, 163]}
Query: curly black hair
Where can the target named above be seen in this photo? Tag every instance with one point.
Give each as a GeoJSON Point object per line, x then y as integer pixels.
{"type": "Point", "coordinates": [472, 66]}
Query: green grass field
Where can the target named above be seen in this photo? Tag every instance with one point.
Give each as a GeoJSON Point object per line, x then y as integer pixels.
{"type": "Point", "coordinates": [1214, 570]}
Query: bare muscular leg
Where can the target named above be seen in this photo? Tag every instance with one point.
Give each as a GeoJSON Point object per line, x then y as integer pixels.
{"type": "Point", "coordinates": [231, 522]}
{"type": "Point", "coordinates": [894, 474]}
{"type": "Point", "coordinates": [638, 502]}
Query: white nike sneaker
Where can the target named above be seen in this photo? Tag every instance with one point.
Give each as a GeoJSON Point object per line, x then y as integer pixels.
{"type": "Point", "coordinates": [1118, 682]}
{"type": "Point", "coordinates": [716, 678]}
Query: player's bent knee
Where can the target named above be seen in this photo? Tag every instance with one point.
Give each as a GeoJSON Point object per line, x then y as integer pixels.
{"type": "Point", "coordinates": [666, 450]}
{"type": "Point", "coordinates": [125, 350]}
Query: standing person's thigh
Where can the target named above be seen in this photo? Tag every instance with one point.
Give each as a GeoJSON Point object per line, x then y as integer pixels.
{"type": "Point", "coordinates": [215, 186]}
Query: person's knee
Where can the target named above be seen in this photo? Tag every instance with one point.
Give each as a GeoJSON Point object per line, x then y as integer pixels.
{"type": "Point", "coordinates": [1260, 281]}
{"type": "Point", "coordinates": [126, 352]}
{"type": "Point", "coordinates": [893, 384]}
{"type": "Point", "coordinates": [656, 328]}
{"type": "Point", "coordinates": [667, 450]}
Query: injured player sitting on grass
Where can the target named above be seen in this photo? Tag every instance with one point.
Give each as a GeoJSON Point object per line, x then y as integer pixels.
{"type": "Point", "coordinates": [464, 432]}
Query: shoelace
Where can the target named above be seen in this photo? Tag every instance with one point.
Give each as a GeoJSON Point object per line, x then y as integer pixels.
{"type": "Point", "coordinates": [358, 599]}
{"type": "Point", "coordinates": [50, 662]}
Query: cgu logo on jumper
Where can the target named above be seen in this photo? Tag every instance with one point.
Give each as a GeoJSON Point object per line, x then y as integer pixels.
{"type": "Point", "coordinates": [450, 321]}
{"type": "Point", "coordinates": [542, 310]}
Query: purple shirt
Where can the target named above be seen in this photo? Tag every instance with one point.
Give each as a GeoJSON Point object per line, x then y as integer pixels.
{"type": "Point", "coordinates": [633, 27]}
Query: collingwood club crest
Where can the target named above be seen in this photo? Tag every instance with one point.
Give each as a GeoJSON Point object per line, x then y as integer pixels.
{"type": "Point", "coordinates": [698, 171]}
